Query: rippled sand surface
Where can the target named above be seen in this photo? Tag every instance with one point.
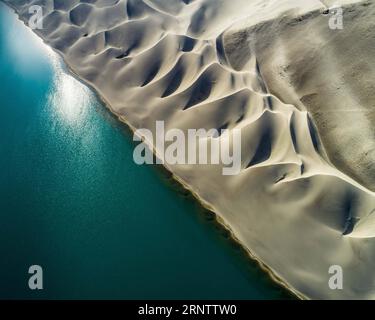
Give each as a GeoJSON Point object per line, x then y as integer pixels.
{"type": "Point", "coordinates": [302, 94]}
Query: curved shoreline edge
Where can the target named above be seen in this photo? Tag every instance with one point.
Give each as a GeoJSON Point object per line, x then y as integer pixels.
{"type": "Point", "coordinates": [267, 270]}
{"type": "Point", "coordinates": [335, 196]}
{"type": "Point", "coordinates": [272, 274]}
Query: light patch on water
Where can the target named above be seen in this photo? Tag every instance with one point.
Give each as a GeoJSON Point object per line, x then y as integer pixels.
{"type": "Point", "coordinates": [23, 44]}
{"type": "Point", "coordinates": [69, 98]}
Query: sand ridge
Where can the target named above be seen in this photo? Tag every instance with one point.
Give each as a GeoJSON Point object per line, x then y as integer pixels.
{"type": "Point", "coordinates": [219, 63]}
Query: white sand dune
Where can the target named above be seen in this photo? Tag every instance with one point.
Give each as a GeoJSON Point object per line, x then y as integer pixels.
{"type": "Point", "coordinates": [302, 94]}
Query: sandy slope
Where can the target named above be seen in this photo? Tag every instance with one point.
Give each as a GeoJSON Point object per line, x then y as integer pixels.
{"type": "Point", "coordinates": [272, 68]}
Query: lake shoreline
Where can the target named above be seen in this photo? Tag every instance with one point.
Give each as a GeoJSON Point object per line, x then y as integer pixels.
{"type": "Point", "coordinates": [182, 185]}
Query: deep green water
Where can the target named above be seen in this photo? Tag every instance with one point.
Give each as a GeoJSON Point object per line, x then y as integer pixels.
{"type": "Point", "coordinates": [73, 201]}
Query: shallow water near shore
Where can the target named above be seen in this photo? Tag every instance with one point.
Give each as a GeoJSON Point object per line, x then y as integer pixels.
{"type": "Point", "coordinates": [73, 201]}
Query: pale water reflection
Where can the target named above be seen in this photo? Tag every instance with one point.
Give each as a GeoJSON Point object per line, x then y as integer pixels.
{"type": "Point", "coordinates": [69, 98]}
{"type": "Point", "coordinates": [23, 44]}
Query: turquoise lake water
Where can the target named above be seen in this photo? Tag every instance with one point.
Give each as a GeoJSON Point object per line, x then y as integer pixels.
{"type": "Point", "coordinates": [73, 201]}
